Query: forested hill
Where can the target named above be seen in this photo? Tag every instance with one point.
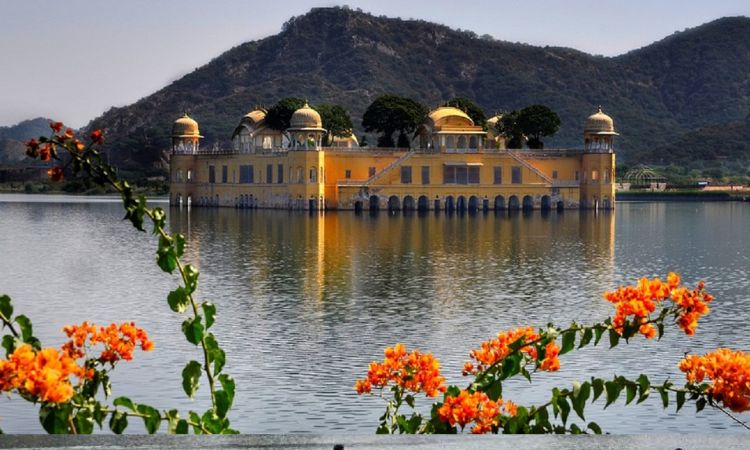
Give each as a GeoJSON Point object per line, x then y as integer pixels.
{"type": "Point", "coordinates": [692, 79]}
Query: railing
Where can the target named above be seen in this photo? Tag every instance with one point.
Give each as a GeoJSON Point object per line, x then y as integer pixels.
{"type": "Point", "coordinates": [388, 168]}
{"type": "Point", "coordinates": [530, 167]}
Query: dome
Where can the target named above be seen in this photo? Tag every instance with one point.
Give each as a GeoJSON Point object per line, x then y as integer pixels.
{"type": "Point", "coordinates": [185, 127]}
{"type": "Point", "coordinates": [255, 116]}
{"type": "Point", "coordinates": [599, 123]}
{"type": "Point", "coordinates": [449, 114]}
{"type": "Point", "coordinates": [306, 117]}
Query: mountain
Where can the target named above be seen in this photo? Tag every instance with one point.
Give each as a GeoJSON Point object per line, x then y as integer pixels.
{"type": "Point", "coordinates": [657, 94]}
{"type": "Point", "coordinates": [12, 149]}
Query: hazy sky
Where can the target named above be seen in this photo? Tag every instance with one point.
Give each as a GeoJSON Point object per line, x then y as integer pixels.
{"type": "Point", "coordinates": [71, 60]}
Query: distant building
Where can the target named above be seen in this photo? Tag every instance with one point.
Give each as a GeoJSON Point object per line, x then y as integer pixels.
{"type": "Point", "coordinates": [453, 165]}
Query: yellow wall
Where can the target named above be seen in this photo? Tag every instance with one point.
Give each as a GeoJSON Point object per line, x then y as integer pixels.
{"type": "Point", "coordinates": [330, 187]}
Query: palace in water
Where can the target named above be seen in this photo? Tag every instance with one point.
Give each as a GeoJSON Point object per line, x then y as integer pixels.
{"type": "Point", "coordinates": [453, 164]}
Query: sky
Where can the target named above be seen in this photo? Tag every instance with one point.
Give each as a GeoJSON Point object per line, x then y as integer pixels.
{"type": "Point", "coordinates": [72, 60]}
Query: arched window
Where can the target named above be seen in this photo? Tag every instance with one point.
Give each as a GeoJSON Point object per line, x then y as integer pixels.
{"type": "Point", "coordinates": [190, 175]}
{"type": "Point", "coordinates": [461, 142]}
{"type": "Point", "coordinates": [449, 142]}
{"type": "Point", "coordinates": [473, 143]}
{"type": "Point", "coordinates": [313, 175]}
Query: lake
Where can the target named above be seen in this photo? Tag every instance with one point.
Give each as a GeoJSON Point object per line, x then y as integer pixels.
{"type": "Point", "coordinates": [307, 301]}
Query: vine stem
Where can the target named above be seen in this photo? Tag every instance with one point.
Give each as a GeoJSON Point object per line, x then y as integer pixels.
{"type": "Point", "coordinates": [109, 176]}
{"type": "Point", "coordinates": [731, 416]}
{"type": "Point", "coordinates": [9, 324]}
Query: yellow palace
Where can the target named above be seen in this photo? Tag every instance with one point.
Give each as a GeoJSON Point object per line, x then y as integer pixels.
{"type": "Point", "coordinates": [452, 164]}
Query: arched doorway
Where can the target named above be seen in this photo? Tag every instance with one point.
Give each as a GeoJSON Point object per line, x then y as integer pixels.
{"type": "Point", "coordinates": [461, 203]}
{"type": "Point", "coordinates": [358, 206]}
{"type": "Point", "coordinates": [449, 203]}
{"type": "Point", "coordinates": [528, 203]}
{"type": "Point", "coordinates": [513, 203]}
{"type": "Point", "coordinates": [374, 203]}
{"type": "Point", "coordinates": [473, 203]}
{"type": "Point", "coordinates": [394, 203]}
{"type": "Point", "coordinates": [560, 205]}
{"type": "Point", "coordinates": [546, 203]}
{"type": "Point", "coordinates": [423, 203]}
{"type": "Point", "coordinates": [499, 203]}
{"type": "Point", "coordinates": [409, 203]}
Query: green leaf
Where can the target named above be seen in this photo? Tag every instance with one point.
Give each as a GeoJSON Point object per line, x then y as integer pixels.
{"type": "Point", "coordinates": [664, 397]}
{"type": "Point", "coordinates": [495, 390]}
{"type": "Point", "coordinates": [579, 402]}
{"type": "Point", "coordinates": [630, 393]}
{"type": "Point", "coordinates": [613, 391]}
{"type": "Point", "coordinates": [173, 418]}
{"type": "Point", "coordinates": [598, 385]}
{"type": "Point", "coordinates": [191, 375]}
{"type": "Point", "coordinates": [178, 300]}
{"type": "Point", "coordinates": [598, 332]}
{"type": "Point", "coordinates": [586, 338]}
{"type": "Point", "coordinates": [166, 259]}
{"type": "Point", "coordinates": [118, 422]}
{"type": "Point", "coordinates": [223, 403]}
{"type": "Point", "coordinates": [700, 404]}
{"type": "Point", "coordinates": [193, 330]}
{"type": "Point", "coordinates": [54, 419]}
{"type": "Point", "coordinates": [213, 423]}
{"type": "Point", "coordinates": [680, 397]}
{"type": "Point", "coordinates": [209, 309]}
{"type": "Point", "coordinates": [6, 307]}
{"type": "Point", "coordinates": [9, 344]}
{"type": "Point", "coordinates": [593, 426]}
{"type": "Point", "coordinates": [575, 429]}
{"type": "Point", "coordinates": [568, 342]}
{"type": "Point", "coordinates": [196, 419]}
{"type": "Point", "coordinates": [614, 338]}
{"type": "Point", "coordinates": [182, 427]}
{"type": "Point", "coordinates": [562, 403]}
{"type": "Point", "coordinates": [191, 275]}
{"type": "Point", "coordinates": [660, 328]}
{"type": "Point", "coordinates": [84, 422]}
{"type": "Point", "coordinates": [216, 355]}
{"type": "Point", "coordinates": [227, 383]}
{"type": "Point", "coordinates": [24, 323]}
{"type": "Point", "coordinates": [124, 402]}
{"type": "Point", "coordinates": [151, 418]}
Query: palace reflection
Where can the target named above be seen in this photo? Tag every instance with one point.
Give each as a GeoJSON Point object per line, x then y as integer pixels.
{"type": "Point", "coordinates": [319, 256]}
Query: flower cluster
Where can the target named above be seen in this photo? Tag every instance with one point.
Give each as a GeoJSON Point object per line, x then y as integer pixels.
{"type": "Point", "coordinates": [493, 351]}
{"type": "Point", "coordinates": [46, 149]}
{"type": "Point", "coordinates": [43, 375]}
{"type": "Point", "coordinates": [415, 372]}
{"type": "Point", "coordinates": [636, 303]}
{"type": "Point", "coordinates": [476, 407]}
{"type": "Point", "coordinates": [729, 372]}
{"type": "Point", "coordinates": [119, 340]}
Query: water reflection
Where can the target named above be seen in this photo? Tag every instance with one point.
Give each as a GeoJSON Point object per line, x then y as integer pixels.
{"type": "Point", "coordinates": [306, 301]}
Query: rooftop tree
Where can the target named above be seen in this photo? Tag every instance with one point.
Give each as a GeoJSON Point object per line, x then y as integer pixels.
{"type": "Point", "coordinates": [280, 114]}
{"type": "Point", "coordinates": [391, 113]}
{"type": "Point", "coordinates": [336, 121]}
{"type": "Point", "coordinates": [537, 121]}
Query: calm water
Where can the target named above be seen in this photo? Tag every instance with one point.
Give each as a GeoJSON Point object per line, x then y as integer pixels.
{"type": "Point", "coordinates": [306, 302]}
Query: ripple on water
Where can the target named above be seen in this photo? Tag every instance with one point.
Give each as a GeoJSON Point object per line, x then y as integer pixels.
{"type": "Point", "coordinates": [306, 302]}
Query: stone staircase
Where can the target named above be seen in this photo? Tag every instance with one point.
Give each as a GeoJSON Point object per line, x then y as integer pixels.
{"type": "Point", "coordinates": [389, 168]}
{"type": "Point", "coordinates": [529, 166]}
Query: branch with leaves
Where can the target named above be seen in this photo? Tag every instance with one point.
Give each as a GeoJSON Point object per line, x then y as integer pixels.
{"type": "Point", "coordinates": [69, 408]}
{"type": "Point", "coordinates": [641, 310]}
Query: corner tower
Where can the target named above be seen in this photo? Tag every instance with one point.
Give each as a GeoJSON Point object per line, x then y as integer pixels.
{"type": "Point", "coordinates": [185, 136]}
{"type": "Point", "coordinates": [598, 162]}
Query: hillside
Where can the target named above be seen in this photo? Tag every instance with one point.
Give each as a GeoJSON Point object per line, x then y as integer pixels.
{"type": "Point", "coordinates": [692, 79]}
{"type": "Point", "coordinates": [12, 149]}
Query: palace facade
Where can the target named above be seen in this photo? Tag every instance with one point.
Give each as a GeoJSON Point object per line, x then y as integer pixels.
{"type": "Point", "coordinates": [452, 164]}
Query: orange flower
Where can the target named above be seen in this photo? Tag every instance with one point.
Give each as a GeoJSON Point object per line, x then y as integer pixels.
{"type": "Point", "coordinates": [56, 126]}
{"type": "Point", "coordinates": [97, 137]}
{"type": "Point", "coordinates": [729, 372]}
{"type": "Point", "coordinates": [32, 148]}
{"type": "Point", "coordinates": [476, 407]}
{"type": "Point", "coordinates": [79, 145]}
{"type": "Point", "coordinates": [44, 375]}
{"type": "Point", "coordinates": [55, 174]}
{"type": "Point", "coordinates": [415, 372]}
{"type": "Point", "coordinates": [69, 133]}
{"type": "Point", "coordinates": [493, 351]}
{"type": "Point", "coordinates": [636, 303]}
{"type": "Point", "coordinates": [45, 152]}
{"type": "Point", "coordinates": [119, 341]}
